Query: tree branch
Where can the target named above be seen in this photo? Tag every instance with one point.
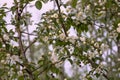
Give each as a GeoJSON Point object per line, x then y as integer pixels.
{"type": "Point", "coordinates": [28, 71]}
{"type": "Point", "coordinates": [29, 33]}
{"type": "Point", "coordinates": [18, 29]}
{"type": "Point", "coordinates": [30, 45]}
{"type": "Point", "coordinates": [60, 18]}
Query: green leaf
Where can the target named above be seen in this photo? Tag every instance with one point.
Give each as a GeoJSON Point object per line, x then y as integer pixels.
{"type": "Point", "coordinates": [0, 44]}
{"type": "Point", "coordinates": [7, 47]}
{"type": "Point", "coordinates": [74, 3]}
{"type": "Point", "coordinates": [13, 9]}
{"type": "Point", "coordinates": [38, 5]}
{"type": "Point", "coordinates": [21, 78]}
{"type": "Point", "coordinates": [1, 72]}
{"type": "Point", "coordinates": [61, 43]}
{"type": "Point", "coordinates": [97, 75]}
{"type": "Point", "coordinates": [89, 78]}
{"type": "Point", "coordinates": [81, 27]}
{"type": "Point", "coordinates": [70, 60]}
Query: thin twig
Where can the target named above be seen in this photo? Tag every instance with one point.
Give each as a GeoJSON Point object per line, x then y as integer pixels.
{"type": "Point", "coordinates": [60, 18]}
{"type": "Point", "coordinates": [46, 68]}
{"type": "Point", "coordinates": [29, 33]}
{"type": "Point", "coordinates": [30, 45]}
{"type": "Point", "coordinates": [27, 70]}
{"type": "Point", "coordinates": [19, 11]}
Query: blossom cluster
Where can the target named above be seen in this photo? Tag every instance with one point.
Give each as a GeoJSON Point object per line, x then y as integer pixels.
{"type": "Point", "coordinates": [118, 29]}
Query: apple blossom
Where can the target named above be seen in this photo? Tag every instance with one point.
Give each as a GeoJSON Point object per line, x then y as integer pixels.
{"type": "Point", "coordinates": [96, 44]}
{"type": "Point", "coordinates": [118, 29]}
{"type": "Point", "coordinates": [62, 36]}
{"type": "Point", "coordinates": [6, 37]}
{"type": "Point", "coordinates": [118, 24]}
{"type": "Point", "coordinates": [3, 61]}
{"type": "Point", "coordinates": [14, 58]}
{"type": "Point", "coordinates": [54, 15]}
{"type": "Point", "coordinates": [82, 39]}
{"type": "Point", "coordinates": [20, 73]}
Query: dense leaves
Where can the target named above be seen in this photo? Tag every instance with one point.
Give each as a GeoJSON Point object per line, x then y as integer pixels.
{"type": "Point", "coordinates": [38, 4]}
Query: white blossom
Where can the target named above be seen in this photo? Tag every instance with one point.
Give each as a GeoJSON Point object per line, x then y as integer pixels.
{"type": "Point", "coordinates": [118, 69]}
{"type": "Point", "coordinates": [20, 73]}
{"type": "Point", "coordinates": [118, 24]}
{"type": "Point", "coordinates": [96, 52]}
{"type": "Point", "coordinates": [118, 59]}
{"type": "Point", "coordinates": [45, 38]}
{"type": "Point", "coordinates": [91, 54]}
{"type": "Point", "coordinates": [119, 13]}
{"type": "Point", "coordinates": [50, 33]}
{"type": "Point", "coordinates": [49, 53]}
{"type": "Point", "coordinates": [62, 36]}
{"type": "Point", "coordinates": [92, 41]}
{"type": "Point", "coordinates": [101, 52]}
{"type": "Point", "coordinates": [84, 42]}
{"type": "Point", "coordinates": [54, 57]}
{"type": "Point", "coordinates": [54, 15]}
{"type": "Point", "coordinates": [88, 7]}
{"type": "Point", "coordinates": [95, 4]}
{"type": "Point", "coordinates": [3, 61]}
{"type": "Point", "coordinates": [72, 39]}
{"type": "Point", "coordinates": [68, 10]}
{"type": "Point", "coordinates": [96, 44]}
{"type": "Point", "coordinates": [65, 79]}
{"type": "Point", "coordinates": [49, 27]}
{"type": "Point", "coordinates": [82, 39]}
{"type": "Point", "coordinates": [15, 58]}
{"type": "Point", "coordinates": [60, 31]}
{"type": "Point", "coordinates": [118, 29]}
{"type": "Point", "coordinates": [104, 46]}
{"type": "Point", "coordinates": [6, 37]}
{"type": "Point", "coordinates": [102, 2]}
{"type": "Point", "coordinates": [79, 14]}
{"type": "Point", "coordinates": [8, 55]}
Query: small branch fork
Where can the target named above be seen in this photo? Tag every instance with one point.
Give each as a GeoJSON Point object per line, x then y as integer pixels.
{"type": "Point", "coordinates": [19, 11]}
{"type": "Point", "coordinates": [18, 17]}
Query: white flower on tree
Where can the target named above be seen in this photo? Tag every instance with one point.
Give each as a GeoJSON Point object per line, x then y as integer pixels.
{"type": "Point", "coordinates": [118, 24]}
{"type": "Point", "coordinates": [62, 36]}
{"type": "Point", "coordinates": [14, 59]}
{"type": "Point", "coordinates": [20, 73]}
{"type": "Point", "coordinates": [72, 39]}
{"type": "Point", "coordinates": [2, 61]}
{"type": "Point", "coordinates": [82, 39]}
{"type": "Point", "coordinates": [45, 39]}
{"type": "Point", "coordinates": [54, 15]}
{"type": "Point", "coordinates": [104, 47]}
{"type": "Point", "coordinates": [118, 29]}
{"type": "Point", "coordinates": [6, 37]}
{"type": "Point", "coordinates": [96, 44]}
{"type": "Point", "coordinates": [91, 54]}
{"type": "Point", "coordinates": [54, 56]}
